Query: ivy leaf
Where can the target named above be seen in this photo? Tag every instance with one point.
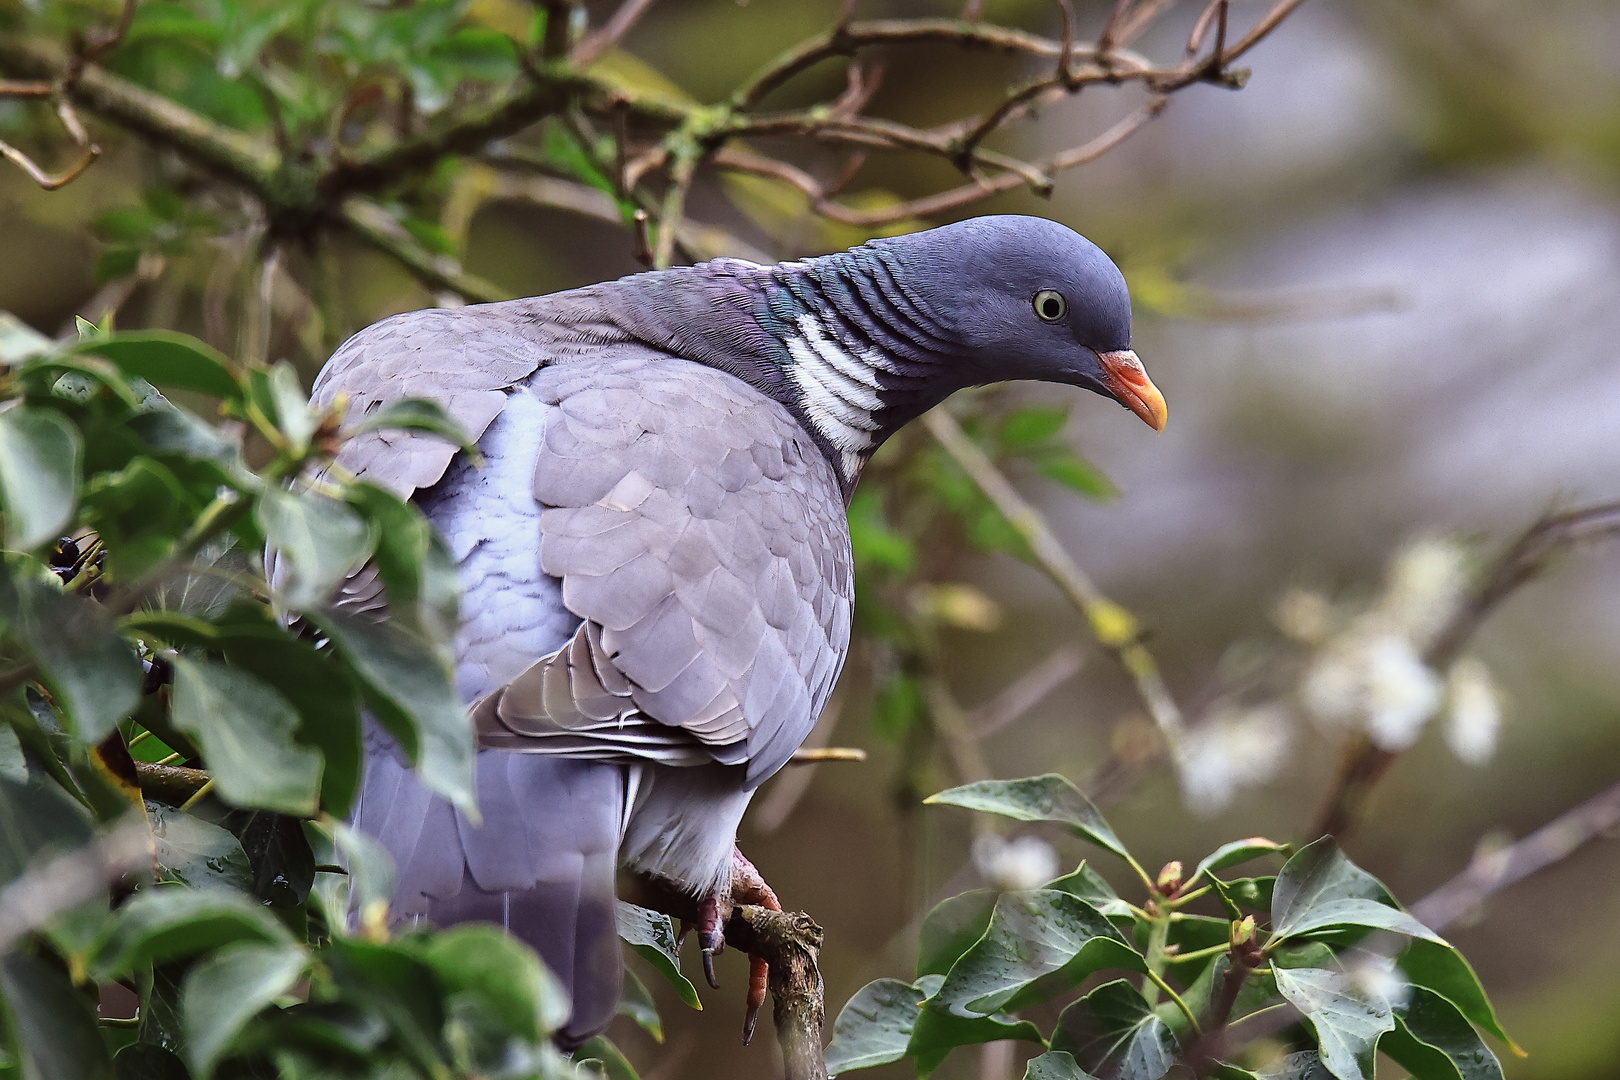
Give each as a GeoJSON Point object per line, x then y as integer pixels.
{"type": "Point", "coordinates": [1038, 943]}
{"type": "Point", "coordinates": [316, 542]}
{"type": "Point", "coordinates": [1036, 798]}
{"type": "Point", "coordinates": [1252, 893]}
{"type": "Point", "coordinates": [197, 854]}
{"type": "Point", "coordinates": [54, 1028]}
{"type": "Point", "coordinates": [951, 928]}
{"type": "Point", "coordinates": [91, 672]}
{"type": "Point", "coordinates": [167, 358]}
{"type": "Point", "coordinates": [1348, 1018]}
{"type": "Point", "coordinates": [1055, 1065]}
{"type": "Point", "coordinates": [1445, 971]}
{"type": "Point", "coordinates": [1030, 427]}
{"type": "Point", "coordinates": [227, 989]}
{"type": "Point", "coordinates": [407, 684]}
{"type": "Point", "coordinates": [1433, 1040]}
{"type": "Point", "coordinates": [1351, 911]}
{"type": "Point", "coordinates": [1318, 874]}
{"type": "Point", "coordinates": [1115, 1033]}
{"type": "Point", "coordinates": [1080, 476]}
{"type": "Point", "coordinates": [508, 979]}
{"type": "Point", "coordinates": [39, 475]}
{"type": "Point", "coordinates": [168, 922]}
{"type": "Point", "coordinates": [419, 577]}
{"type": "Point", "coordinates": [937, 1032]}
{"type": "Point", "coordinates": [651, 934]}
{"type": "Point", "coordinates": [245, 727]}
{"type": "Point", "coordinates": [1089, 886]}
{"type": "Point", "coordinates": [874, 1027]}
{"type": "Point", "coordinates": [637, 1003]}
{"type": "Point", "coordinates": [415, 414]}
{"type": "Point", "coordinates": [1238, 851]}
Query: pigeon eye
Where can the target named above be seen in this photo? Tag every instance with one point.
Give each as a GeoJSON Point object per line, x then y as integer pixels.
{"type": "Point", "coordinates": [1050, 305]}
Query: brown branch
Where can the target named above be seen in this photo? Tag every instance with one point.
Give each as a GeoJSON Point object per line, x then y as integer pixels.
{"type": "Point", "coordinates": [1490, 871]}
{"type": "Point", "coordinates": [812, 755]}
{"type": "Point", "coordinates": [622, 21]}
{"type": "Point", "coordinates": [25, 88]}
{"type": "Point", "coordinates": [1363, 763]}
{"type": "Point", "coordinates": [49, 181]}
{"type": "Point", "coordinates": [1026, 691]}
{"type": "Point", "coordinates": [172, 784]}
{"type": "Point", "coordinates": [1113, 627]}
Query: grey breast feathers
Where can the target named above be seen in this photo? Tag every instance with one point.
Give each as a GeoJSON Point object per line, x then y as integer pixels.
{"type": "Point", "coordinates": [700, 534]}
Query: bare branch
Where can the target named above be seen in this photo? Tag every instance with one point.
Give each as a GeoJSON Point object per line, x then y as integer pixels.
{"type": "Point", "coordinates": [814, 755]}
{"type": "Point", "coordinates": [1026, 691]}
{"type": "Point", "coordinates": [612, 32]}
{"type": "Point", "coordinates": [673, 211]}
{"type": "Point", "coordinates": [1493, 870]}
{"type": "Point", "coordinates": [49, 181]}
{"type": "Point", "coordinates": [1114, 628]}
{"type": "Point", "coordinates": [378, 228]}
{"type": "Point", "coordinates": [25, 88]}
{"type": "Point", "coordinates": [1363, 763]}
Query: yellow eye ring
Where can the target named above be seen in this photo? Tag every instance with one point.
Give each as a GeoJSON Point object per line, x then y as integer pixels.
{"type": "Point", "coordinates": [1050, 305]}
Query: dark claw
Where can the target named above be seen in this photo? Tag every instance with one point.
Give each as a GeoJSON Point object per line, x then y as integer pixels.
{"type": "Point", "coordinates": [749, 1020]}
{"type": "Point", "coordinates": [708, 969]}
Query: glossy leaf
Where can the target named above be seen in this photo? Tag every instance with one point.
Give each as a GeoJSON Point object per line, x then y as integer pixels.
{"type": "Point", "coordinates": [607, 1058]}
{"type": "Point", "coordinates": [1318, 874]}
{"type": "Point", "coordinates": [1055, 1065]}
{"type": "Point", "coordinates": [167, 358]}
{"type": "Point", "coordinates": [317, 542]}
{"type": "Point", "coordinates": [54, 1027]}
{"type": "Point", "coordinates": [637, 1003]}
{"type": "Point", "coordinates": [874, 1027]}
{"type": "Point", "coordinates": [511, 984]}
{"type": "Point", "coordinates": [1036, 798]}
{"type": "Point", "coordinates": [1238, 851]}
{"type": "Point", "coordinates": [227, 989]}
{"type": "Point", "coordinates": [937, 1032]}
{"type": "Point", "coordinates": [196, 854]}
{"type": "Point", "coordinates": [1445, 971]}
{"type": "Point", "coordinates": [39, 475]}
{"type": "Point", "coordinates": [1038, 944]}
{"type": "Point", "coordinates": [651, 935]}
{"type": "Point", "coordinates": [419, 576]}
{"type": "Point", "coordinates": [92, 673]}
{"type": "Point", "coordinates": [1115, 1033]}
{"type": "Point", "coordinates": [1089, 886]}
{"type": "Point", "coordinates": [1353, 912]}
{"type": "Point", "coordinates": [408, 685]}
{"type": "Point", "coordinates": [244, 728]}
{"type": "Point", "coordinates": [1253, 894]}
{"type": "Point", "coordinates": [1434, 1041]}
{"type": "Point", "coordinates": [170, 921]}
{"type": "Point", "coordinates": [1347, 1017]}
{"type": "Point", "coordinates": [951, 928]}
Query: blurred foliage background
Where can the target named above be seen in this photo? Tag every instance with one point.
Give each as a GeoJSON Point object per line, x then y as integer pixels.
{"type": "Point", "coordinates": [1377, 287]}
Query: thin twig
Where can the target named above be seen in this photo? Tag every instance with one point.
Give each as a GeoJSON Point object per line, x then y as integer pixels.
{"type": "Point", "coordinates": [673, 211]}
{"type": "Point", "coordinates": [612, 32]}
{"type": "Point", "coordinates": [1026, 691]}
{"type": "Point", "coordinates": [378, 228]}
{"type": "Point", "coordinates": [49, 181]}
{"type": "Point", "coordinates": [1113, 627]}
{"type": "Point", "coordinates": [1491, 871]}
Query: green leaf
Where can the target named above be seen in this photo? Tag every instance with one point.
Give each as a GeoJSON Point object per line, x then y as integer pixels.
{"type": "Point", "coordinates": [196, 854]}
{"type": "Point", "coordinates": [408, 685]}
{"type": "Point", "coordinates": [283, 865]}
{"type": "Point", "coordinates": [1036, 798]}
{"type": "Point", "coordinates": [316, 542]}
{"type": "Point", "coordinates": [1080, 476]}
{"type": "Point", "coordinates": [292, 412]}
{"type": "Point", "coordinates": [245, 730]}
{"type": "Point", "coordinates": [951, 928]}
{"type": "Point", "coordinates": [92, 673]}
{"type": "Point", "coordinates": [1318, 874]}
{"type": "Point", "coordinates": [1114, 1032]}
{"type": "Point", "coordinates": [1347, 1017]}
{"type": "Point", "coordinates": [38, 822]}
{"type": "Point", "coordinates": [415, 414]}
{"type": "Point", "coordinates": [1301, 1065]}
{"type": "Point", "coordinates": [511, 983]}
{"type": "Point", "coordinates": [1089, 886]}
{"type": "Point", "coordinates": [1028, 427]}
{"type": "Point", "coordinates": [167, 358]}
{"type": "Point", "coordinates": [148, 1061]}
{"type": "Point", "coordinates": [54, 1027]}
{"type": "Point", "coordinates": [1445, 971]}
{"type": "Point", "coordinates": [39, 475]}
{"type": "Point", "coordinates": [1434, 1041]}
{"type": "Point", "coordinates": [937, 1032]}
{"type": "Point", "coordinates": [170, 921]}
{"type": "Point", "coordinates": [611, 1061]}
{"type": "Point", "coordinates": [637, 1003]}
{"type": "Point", "coordinates": [1254, 894]}
{"type": "Point", "coordinates": [1238, 851]}
{"type": "Point", "coordinates": [651, 934]}
{"type": "Point", "coordinates": [141, 511]}
{"type": "Point", "coordinates": [874, 1027]}
{"type": "Point", "coordinates": [873, 540]}
{"type": "Point", "coordinates": [1055, 1065]}
{"type": "Point", "coordinates": [226, 990]}
{"type": "Point", "coordinates": [1038, 944]}
{"type": "Point", "coordinates": [1351, 911]}
{"type": "Point", "coordinates": [419, 577]}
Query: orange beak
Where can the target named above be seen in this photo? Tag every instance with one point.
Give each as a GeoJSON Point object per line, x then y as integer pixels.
{"type": "Point", "coordinates": [1128, 382]}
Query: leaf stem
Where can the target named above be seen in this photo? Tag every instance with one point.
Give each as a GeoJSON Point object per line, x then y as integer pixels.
{"type": "Point", "coordinates": [1169, 992]}
{"type": "Point", "coordinates": [1198, 954]}
{"type": "Point", "coordinates": [198, 796]}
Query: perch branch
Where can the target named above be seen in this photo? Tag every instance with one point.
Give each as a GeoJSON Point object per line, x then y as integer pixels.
{"type": "Point", "coordinates": [1363, 763]}
{"type": "Point", "coordinates": [1113, 627]}
{"type": "Point", "coordinates": [1494, 870]}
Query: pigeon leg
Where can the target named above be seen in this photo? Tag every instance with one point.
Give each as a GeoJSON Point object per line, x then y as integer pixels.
{"type": "Point", "coordinates": [748, 887]}
{"type": "Point", "coordinates": [711, 933]}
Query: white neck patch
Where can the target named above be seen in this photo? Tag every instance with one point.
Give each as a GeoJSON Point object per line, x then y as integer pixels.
{"type": "Point", "coordinates": [838, 390]}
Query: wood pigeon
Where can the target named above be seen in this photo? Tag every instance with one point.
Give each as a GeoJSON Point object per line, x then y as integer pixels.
{"type": "Point", "coordinates": [654, 553]}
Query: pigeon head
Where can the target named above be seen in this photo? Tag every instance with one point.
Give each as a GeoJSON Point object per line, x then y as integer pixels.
{"type": "Point", "coordinates": [1018, 297]}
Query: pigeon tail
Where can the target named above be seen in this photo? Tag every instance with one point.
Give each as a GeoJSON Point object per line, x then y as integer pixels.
{"type": "Point", "coordinates": [542, 865]}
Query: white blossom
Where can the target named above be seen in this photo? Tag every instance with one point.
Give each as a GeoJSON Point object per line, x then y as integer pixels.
{"type": "Point", "coordinates": [1304, 615]}
{"type": "Point", "coordinates": [1229, 751]}
{"type": "Point", "coordinates": [1402, 692]}
{"type": "Point", "coordinates": [1423, 586]}
{"type": "Point", "coordinates": [1473, 712]}
{"type": "Point", "coordinates": [1027, 862]}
